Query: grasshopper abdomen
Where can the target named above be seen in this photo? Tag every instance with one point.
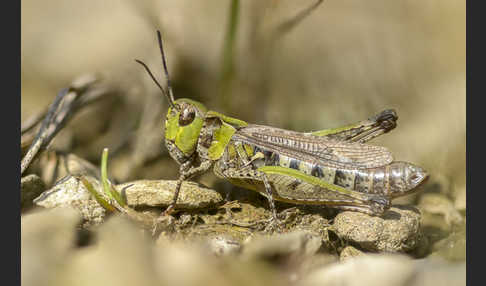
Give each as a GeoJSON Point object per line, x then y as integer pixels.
{"type": "Point", "coordinates": [296, 180]}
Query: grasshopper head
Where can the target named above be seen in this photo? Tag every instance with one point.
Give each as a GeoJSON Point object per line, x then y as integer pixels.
{"type": "Point", "coordinates": [405, 178]}
{"type": "Point", "coordinates": [184, 118]}
{"type": "Point", "coordinates": [182, 127]}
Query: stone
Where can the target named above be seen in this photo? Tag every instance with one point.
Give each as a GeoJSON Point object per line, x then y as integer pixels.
{"type": "Point", "coordinates": [47, 238]}
{"type": "Point", "coordinates": [387, 269]}
{"type": "Point", "coordinates": [223, 245]}
{"type": "Point", "coordinates": [160, 193]}
{"type": "Point", "coordinates": [453, 247]}
{"type": "Point", "coordinates": [30, 187]}
{"type": "Point", "coordinates": [70, 192]}
{"type": "Point", "coordinates": [122, 256]}
{"type": "Point", "coordinates": [349, 252]}
{"type": "Point", "coordinates": [397, 230]}
{"type": "Point", "coordinates": [293, 245]}
{"type": "Point", "coordinates": [188, 264]}
{"type": "Point", "coordinates": [460, 200]}
{"type": "Point", "coordinates": [439, 204]}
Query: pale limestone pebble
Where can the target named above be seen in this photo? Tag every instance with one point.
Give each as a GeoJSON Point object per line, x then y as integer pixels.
{"type": "Point", "coordinates": [297, 244]}
{"type": "Point", "coordinates": [47, 239]}
{"type": "Point", "coordinates": [439, 204]}
{"type": "Point", "coordinates": [71, 192]}
{"type": "Point", "coordinates": [30, 187]}
{"type": "Point", "coordinates": [313, 223]}
{"type": "Point", "coordinates": [364, 270]}
{"type": "Point", "coordinates": [349, 252]}
{"type": "Point", "coordinates": [453, 247]}
{"type": "Point", "coordinates": [223, 245]}
{"type": "Point", "coordinates": [397, 230]}
{"type": "Point", "coordinates": [122, 255]}
{"type": "Point", "coordinates": [312, 263]}
{"type": "Point", "coordinates": [188, 264]}
{"type": "Point", "coordinates": [388, 269]}
{"type": "Point", "coordinates": [434, 226]}
{"type": "Point", "coordinates": [460, 199]}
{"type": "Point", "coordinates": [423, 246]}
{"type": "Point", "coordinates": [202, 232]}
{"type": "Point", "coordinates": [160, 193]}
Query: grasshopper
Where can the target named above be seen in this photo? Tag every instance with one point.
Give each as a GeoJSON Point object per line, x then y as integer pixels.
{"type": "Point", "coordinates": [332, 167]}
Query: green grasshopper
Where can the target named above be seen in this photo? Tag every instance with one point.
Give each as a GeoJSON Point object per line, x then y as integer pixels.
{"type": "Point", "coordinates": [332, 167]}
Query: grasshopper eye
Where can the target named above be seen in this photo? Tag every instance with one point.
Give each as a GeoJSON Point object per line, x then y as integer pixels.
{"type": "Point", "coordinates": [187, 116]}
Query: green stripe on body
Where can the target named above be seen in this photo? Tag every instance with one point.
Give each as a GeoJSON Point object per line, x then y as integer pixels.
{"type": "Point", "coordinates": [333, 130]}
{"type": "Point", "coordinates": [227, 119]}
{"type": "Point", "coordinates": [277, 170]}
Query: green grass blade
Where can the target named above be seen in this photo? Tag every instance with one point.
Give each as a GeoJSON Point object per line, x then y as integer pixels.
{"type": "Point", "coordinates": [227, 67]}
{"type": "Point", "coordinates": [106, 205]}
{"type": "Point", "coordinates": [108, 189]}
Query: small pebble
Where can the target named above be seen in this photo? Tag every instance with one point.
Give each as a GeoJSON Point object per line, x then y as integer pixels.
{"type": "Point", "coordinates": [397, 230]}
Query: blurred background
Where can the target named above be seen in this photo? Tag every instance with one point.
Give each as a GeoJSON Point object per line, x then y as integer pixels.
{"type": "Point", "coordinates": [288, 64]}
{"type": "Point", "coordinates": [342, 63]}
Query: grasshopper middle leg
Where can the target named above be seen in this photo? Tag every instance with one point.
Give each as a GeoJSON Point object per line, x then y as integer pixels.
{"type": "Point", "coordinates": [249, 175]}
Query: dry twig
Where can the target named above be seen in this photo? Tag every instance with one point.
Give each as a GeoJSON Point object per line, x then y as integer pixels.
{"type": "Point", "coordinates": [82, 92]}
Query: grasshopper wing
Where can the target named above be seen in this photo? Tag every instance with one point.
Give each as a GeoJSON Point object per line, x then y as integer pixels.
{"type": "Point", "coordinates": [315, 149]}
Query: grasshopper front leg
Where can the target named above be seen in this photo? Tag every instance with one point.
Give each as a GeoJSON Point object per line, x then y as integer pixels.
{"type": "Point", "coordinates": [186, 171]}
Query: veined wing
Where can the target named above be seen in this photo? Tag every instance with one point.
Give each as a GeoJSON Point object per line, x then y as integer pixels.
{"type": "Point", "coordinates": [315, 149]}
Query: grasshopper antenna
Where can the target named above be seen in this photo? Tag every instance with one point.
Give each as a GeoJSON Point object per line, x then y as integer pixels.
{"type": "Point", "coordinates": [171, 103]}
{"type": "Point", "coordinates": [164, 62]}
{"type": "Point", "coordinates": [169, 95]}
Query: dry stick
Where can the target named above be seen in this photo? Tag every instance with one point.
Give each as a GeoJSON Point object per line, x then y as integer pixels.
{"type": "Point", "coordinates": [46, 129]}
{"type": "Point", "coordinates": [292, 22]}
{"type": "Point", "coordinates": [32, 122]}
{"type": "Point", "coordinates": [65, 105]}
{"type": "Point", "coordinates": [80, 85]}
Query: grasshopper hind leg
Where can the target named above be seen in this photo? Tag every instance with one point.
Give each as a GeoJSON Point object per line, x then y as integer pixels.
{"type": "Point", "coordinates": [365, 130]}
{"type": "Point", "coordinates": [374, 207]}
{"type": "Point", "coordinates": [275, 223]}
{"type": "Point", "coordinates": [271, 201]}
